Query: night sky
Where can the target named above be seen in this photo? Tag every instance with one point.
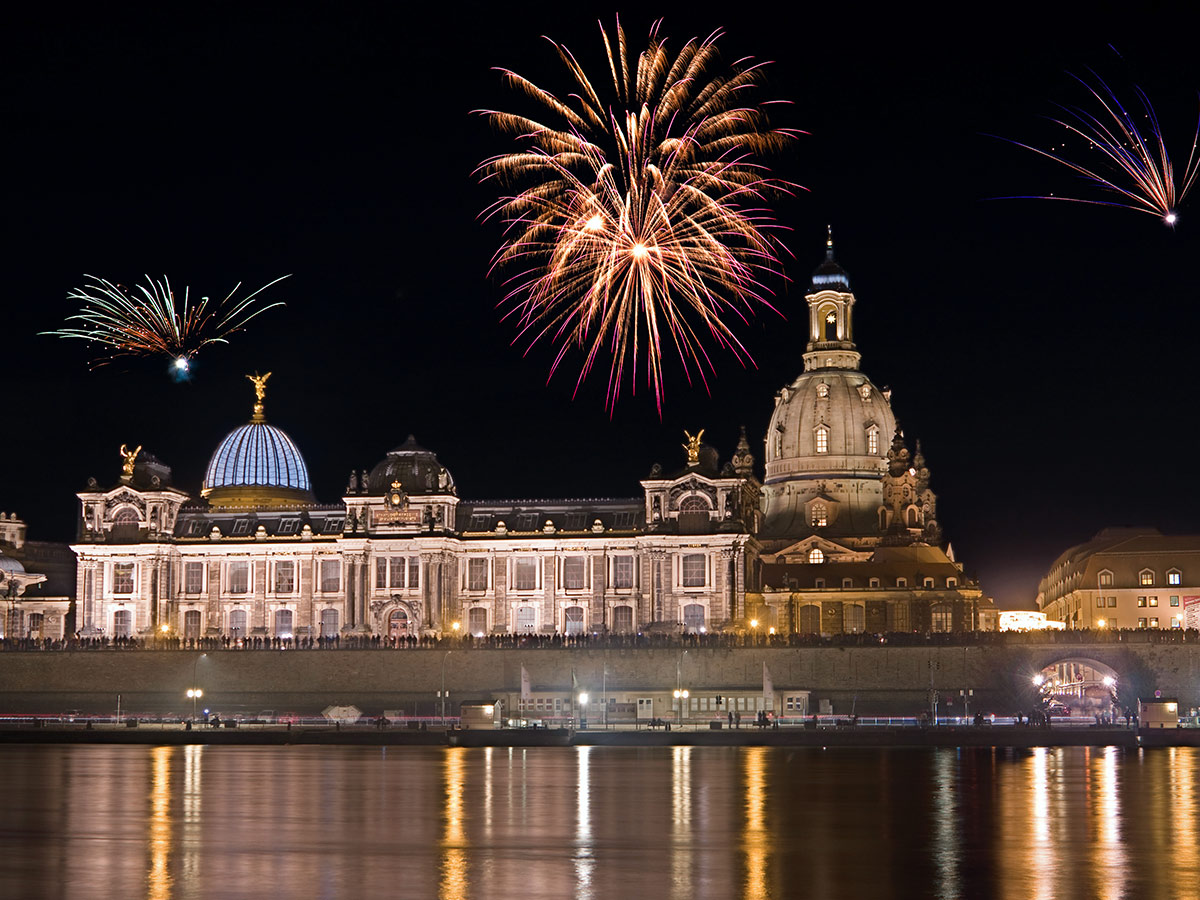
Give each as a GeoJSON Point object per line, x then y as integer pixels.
{"type": "Point", "coordinates": [1041, 351]}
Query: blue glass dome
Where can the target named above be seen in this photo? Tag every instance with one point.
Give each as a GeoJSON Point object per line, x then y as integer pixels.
{"type": "Point", "coordinates": [257, 454]}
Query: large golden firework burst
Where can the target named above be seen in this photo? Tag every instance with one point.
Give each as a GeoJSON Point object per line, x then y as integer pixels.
{"type": "Point", "coordinates": [639, 223]}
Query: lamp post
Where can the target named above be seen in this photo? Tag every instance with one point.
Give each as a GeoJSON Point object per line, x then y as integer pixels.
{"type": "Point", "coordinates": [680, 693]}
{"type": "Point", "coordinates": [442, 694]}
{"type": "Point", "coordinates": [583, 702]}
{"type": "Point", "coordinates": [754, 632]}
{"type": "Point", "coordinates": [194, 694]}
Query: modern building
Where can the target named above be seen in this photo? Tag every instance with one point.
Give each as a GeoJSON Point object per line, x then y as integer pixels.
{"type": "Point", "coordinates": [1125, 578]}
{"type": "Point", "coordinates": [841, 536]}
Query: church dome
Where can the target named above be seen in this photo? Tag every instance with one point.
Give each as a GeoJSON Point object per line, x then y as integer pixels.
{"type": "Point", "coordinates": [10, 565]}
{"type": "Point", "coordinates": [416, 468]}
{"type": "Point", "coordinates": [257, 465]}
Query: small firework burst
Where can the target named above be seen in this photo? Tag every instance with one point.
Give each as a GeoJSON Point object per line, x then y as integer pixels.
{"type": "Point", "coordinates": [1133, 167]}
{"type": "Point", "coordinates": [148, 320]}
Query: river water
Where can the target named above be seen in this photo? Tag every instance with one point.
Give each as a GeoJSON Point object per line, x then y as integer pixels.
{"type": "Point", "coordinates": [664, 823]}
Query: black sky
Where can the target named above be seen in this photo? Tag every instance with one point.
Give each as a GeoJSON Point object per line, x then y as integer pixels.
{"type": "Point", "coordinates": [1042, 352]}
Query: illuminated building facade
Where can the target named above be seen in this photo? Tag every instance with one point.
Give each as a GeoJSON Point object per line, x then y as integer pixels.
{"type": "Point", "coordinates": [1125, 578]}
{"type": "Point", "coordinates": [402, 554]}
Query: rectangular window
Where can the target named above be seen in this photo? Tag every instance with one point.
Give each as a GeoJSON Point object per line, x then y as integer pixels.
{"type": "Point", "coordinates": [193, 577]}
{"type": "Point", "coordinates": [414, 572]}
{"type": "Point", "coordinates": [1112, 602]}
{"type": "Point", "coordinates": [1176, 622]}
{"type": "Point", "coordinates": [573, 572]}
{"type": "Point", "coordinates": [1174, 601]}
{"type": "Point", "coordinates": [1100, 602]}
{"type": "Point", "coordinates": [288, 526]}
{"type": "Point", "coordinates": [1146, 578]}
{"type": "Point", "coordinates": [397, 567]}
{"type": "Point", "coordinates": [477, 574]}
{"type": "Point", "coordinates": [1141, 601]}
{"type": "Point", "coordinates": [241, 526]}
{"type": "Point", "coordinates": [822, 440]}
{"type": "Point", "coordinates": [693, 570]}
{"type": "Point", "coordinates": [623, 572]}
{"type": "Point", "coordinates": [873, 442]}
{"type": "Point", "coordinates": [381, 569]}
{"type": "Point", "coordinates": [331, 575]}
{"type": "Point", "coordinates": [1154, 621]}
{"type": "Point", "coordinates": [1141, 622]}
{"type": "Point", "coordinates": [1106, 578]}
{"type": "Point", "coordinates": [238, 577]}
{"type": "Point", "coordinates": [333, 526]}
{"type": "Point", "coordinates": [623, 520]}
{"type": "Point", "coordinates": [123, 578]}
{"type": "Point", "coordinates": [285, 576]}
{"type": "Point", "coordinates": [526, 574]}
{"type": "Point", "coordinates": [1174, 578]}
{"type": "Point", "coordinates": [1154, 601]}
{"type": "Point", "coordinates": [195, 528]}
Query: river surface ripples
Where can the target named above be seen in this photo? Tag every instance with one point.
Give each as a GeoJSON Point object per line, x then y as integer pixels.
{"type": "Point", "coordinates": [591, 822]}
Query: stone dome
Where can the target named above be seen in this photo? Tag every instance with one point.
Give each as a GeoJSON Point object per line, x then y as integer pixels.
{"type": "Point", "coordinates": [417, 469]}
{"type": "Point", "coordinates": [11, 566]}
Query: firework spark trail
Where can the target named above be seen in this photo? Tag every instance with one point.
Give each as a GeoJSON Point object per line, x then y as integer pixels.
{"type": "Point", "coordinates": [147, 321]}
{"type": "Point", "coordinates": [1138, 167]}
{"type": "Point", "coordinates": [640, 223]}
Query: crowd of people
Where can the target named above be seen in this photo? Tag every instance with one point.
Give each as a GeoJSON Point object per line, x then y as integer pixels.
{"type": "Point", "coordinates": [603, 641]}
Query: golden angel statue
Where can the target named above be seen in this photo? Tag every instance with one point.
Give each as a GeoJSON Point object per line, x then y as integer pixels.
{"type": "Point", "coordinates": [693, 446]}
{"type": "Point", "coordinates": [130, 458]}
{"type": "Point", "coordinates": [260, 385]}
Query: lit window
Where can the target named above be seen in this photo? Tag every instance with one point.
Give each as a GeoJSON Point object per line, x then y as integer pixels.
{"type": "Point", "coordinates": [573, 573]}
{"type": "Point", "coordinates": [1141, 601]}
{"type": "Point", "coordinates": [873, 441]}
{"type": "Point", "coordinates": [193, 577]}
{"type": "Point", "coordinates": [822, 390]}
{"type": "Point", "coordinates": [1146, 577]}
{"type": "Point", "coordinates": [623, 572]}
{"type": "Point", "coordinates": [238, 575]}
{"type": "Point", "coordinates": [477, 574]}
{"type": "Point", "coordinates": [1106, 578]}
{"type": "Point", "coordinates": [526, 574]}
{"type": "Point", "coordinates": [1141, 623]}
{"type": "Point", "coordinates": [1174, 578]}
{"type": "Point", "coordinates": [942, 618]}
{"type": "Point", "coordinates": [285, 576]}
{"type": "Point", "coordinates": [820, 515]}
{"type": "Point", "coordinates": [1154, 621]}
{"type": "Point", "coordinates": [331, 575]}
{"type": "Point", "coordinates": [396, 565]}
{"type": "Point", "coordinates": [123, 578]}
{"type": "Point", "coordinates": [815, 556]}
{"type": "Point", "coordinates": [693, 570]}
{"type": "Point", "coordinates": [1154, 601]}
{"type": "Point", "coordinates": [822, 439]}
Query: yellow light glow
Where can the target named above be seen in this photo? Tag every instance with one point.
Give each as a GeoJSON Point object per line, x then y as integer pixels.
{"type": "Point", "coordinates": [165, 628]}
{"type": "Point", "coordinates": [1102, 623]}
{"type": "Point", "coordinates": [456, 625]}
{"type": "Point", "coordinates": [639, 251]}
{"type": "Point", "coordinates": [754, 623]}
{"type": "Point", "coordinates": [595, 223]}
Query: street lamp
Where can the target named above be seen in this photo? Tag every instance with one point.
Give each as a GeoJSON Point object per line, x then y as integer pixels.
{"type": "Point", "coordinates": [443, 692]}
{"type": "Point", "coordinates": [194, 694]}
{"type": "Point", "coordinates": [681, 698]}
{"type": "Point", "coordinates": [583, 699]}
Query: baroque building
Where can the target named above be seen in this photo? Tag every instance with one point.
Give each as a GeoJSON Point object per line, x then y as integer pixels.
{"type": "Point", "coordinates": [841, 536]}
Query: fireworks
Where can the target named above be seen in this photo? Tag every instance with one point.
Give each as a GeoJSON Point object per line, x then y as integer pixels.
{"type": "Point", "coordinates": [638, 223]}
{"type": "Point", "coordinates": [1133, 163]}
{"type": "Point", "coordinates": [147, 320]}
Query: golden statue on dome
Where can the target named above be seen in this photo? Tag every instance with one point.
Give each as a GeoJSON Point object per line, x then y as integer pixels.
{"type": "Point", "coordinates": [693, 446]}
{"type": "Point", "coordinates": [260, 391]}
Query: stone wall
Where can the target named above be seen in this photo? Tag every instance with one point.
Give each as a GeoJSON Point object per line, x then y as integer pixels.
{"type": "Point", "coordinates": [869, 680]}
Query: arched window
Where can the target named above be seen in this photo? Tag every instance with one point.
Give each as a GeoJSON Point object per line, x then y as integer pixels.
{"type": "Point", "coordinates": [820, 515]}
{"type": "Point", "coordinates": [573, 620]}
{"type": "Point", "coordinates": [912, 517]}
{"type": "Point", "coordinates": [873, 440]}
{"type": "Point", "coordinates": [821, 436]}
{"type": "Point", "coordinates": [237, 623]}
{"type": "Point", "coordinates": [693, 617]}
{"type": "Point", "coordinates": [815, 556]}
{"type": "Point", "coordinates": [822, 390]}
{"type": "Point", "coordinates": [125, 516]}
{"type": "Point", "coordinates": [693, 504]}
{"type": "Point", "coordinates": [831, 326]}
{"type": "Point", "coordinates": [398, 623]}
{"type": "Point", "coordinates": [329, 622]}
{"type": "Point", "coordinates": [810, 619]}
{"type": "Point", "coordinates": [191, 624]}
{"type": "Point", "coordinates": [477, 621]}
{"type": "Point", "coordinates": [622, 619]}
{"type": "Point", "coordinates": [122, 623]}
{"type": "Point", "coordinates": [855, 619]}
{"type": "Point", "coordinates": [283, 623]}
